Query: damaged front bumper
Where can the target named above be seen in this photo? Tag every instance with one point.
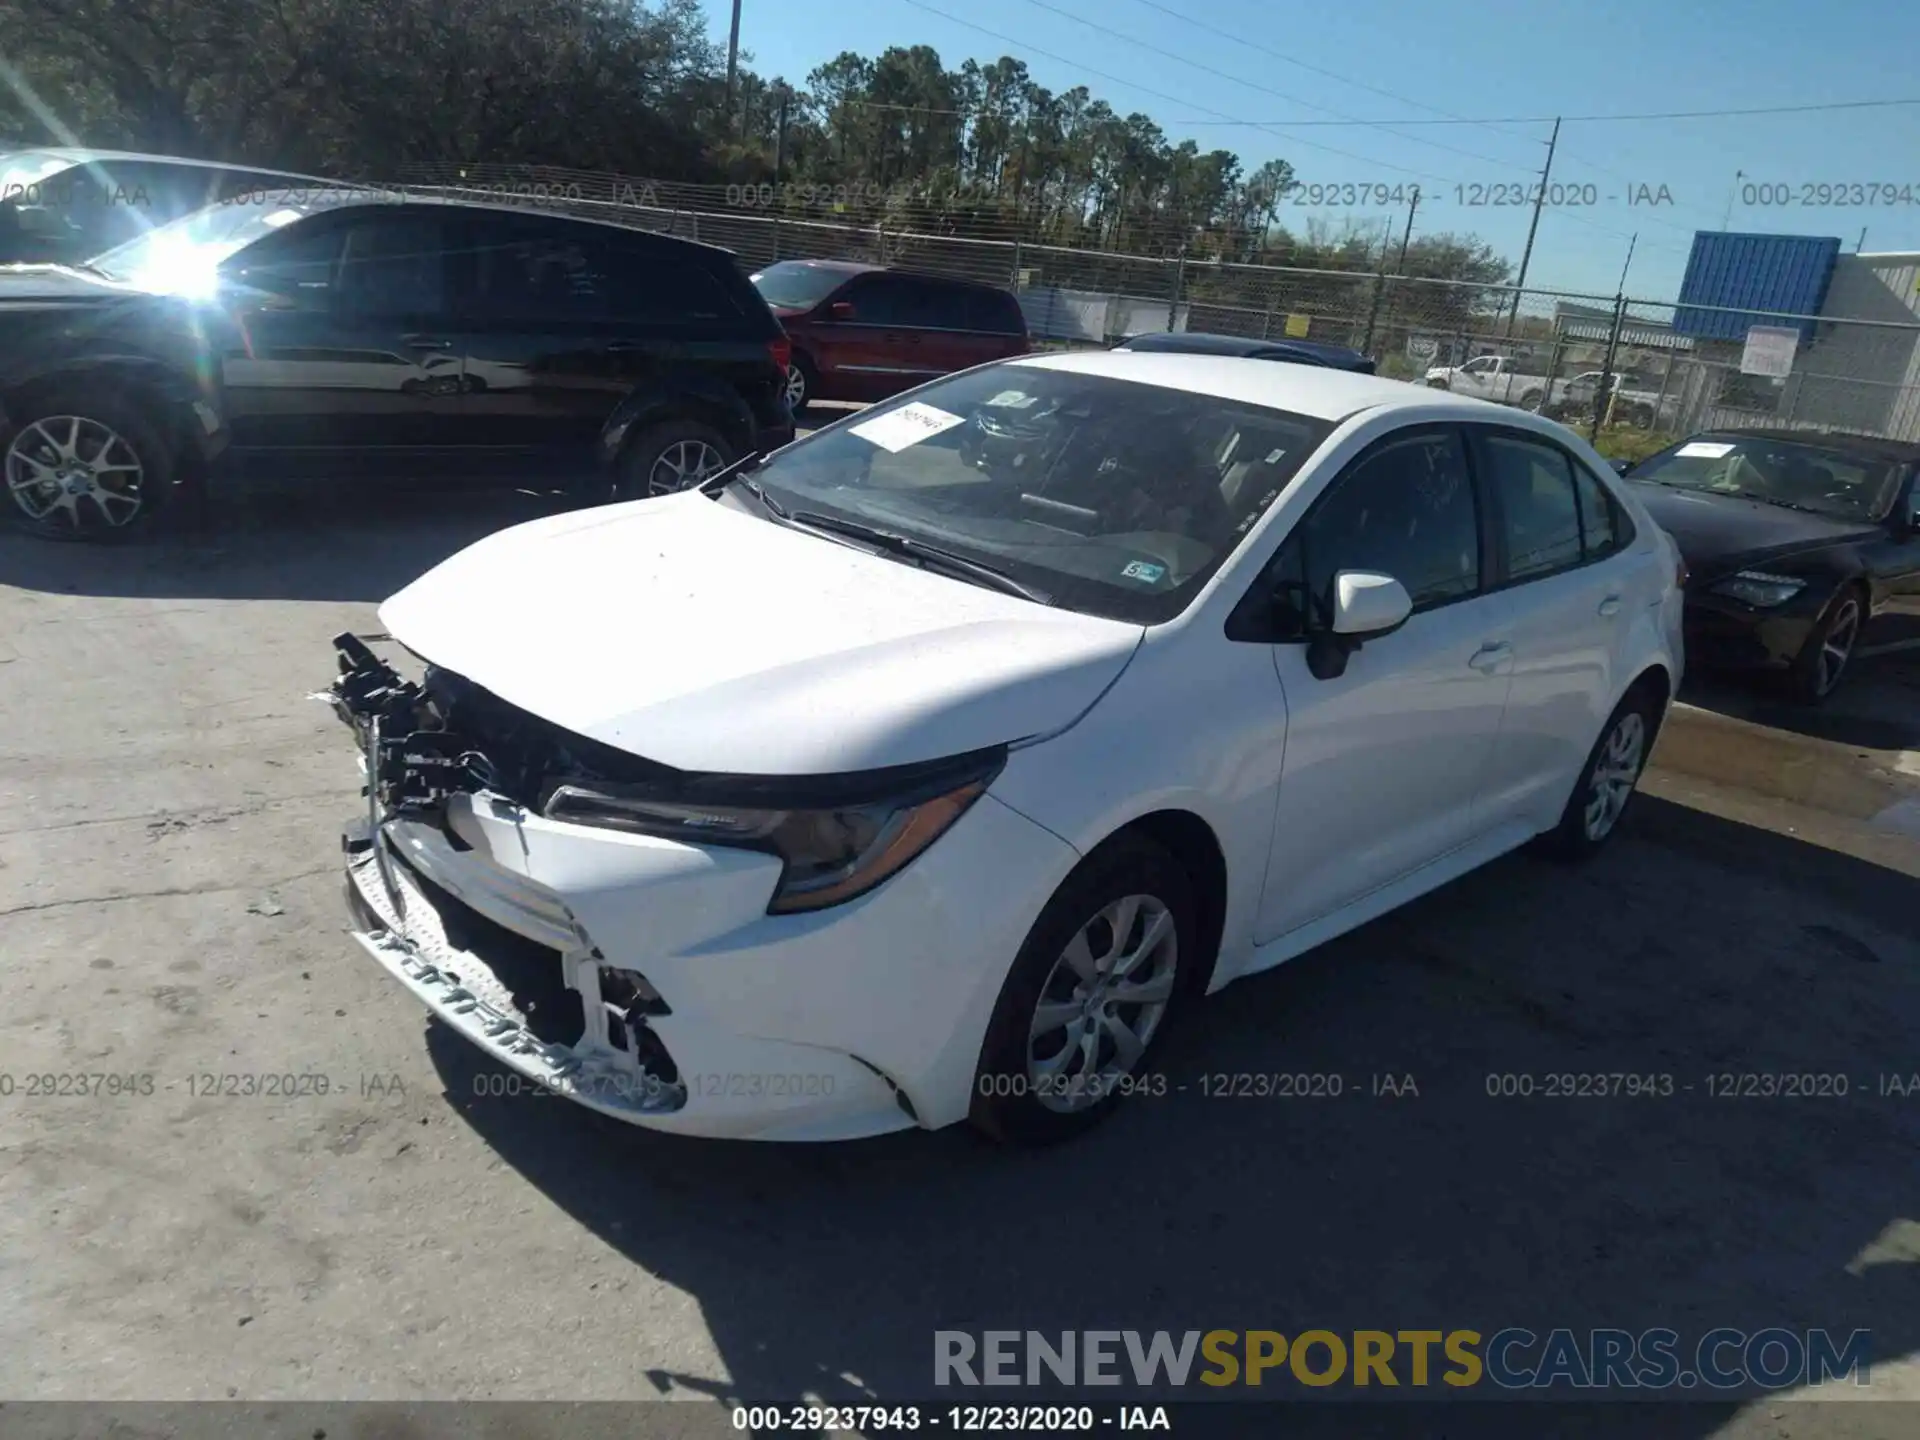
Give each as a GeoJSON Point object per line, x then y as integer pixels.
{"type": "Point", "coordinates": [519, 933]}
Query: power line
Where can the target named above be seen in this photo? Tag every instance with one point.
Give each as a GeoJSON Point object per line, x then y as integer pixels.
{"type": "Point", "coordinates": [1163, 52]}
{"type": "Point", "coordinates": [1299, 64]}
{"type": "Point", "coordinates": [1587, 119]}
{"type": "Point", "coordinates": [1163, 95]}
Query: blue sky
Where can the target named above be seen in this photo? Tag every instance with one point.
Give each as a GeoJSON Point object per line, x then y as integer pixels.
{"type": "Point", "coordinates": [1473, 59]}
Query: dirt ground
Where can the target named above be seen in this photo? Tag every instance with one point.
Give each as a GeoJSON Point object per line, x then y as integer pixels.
{"type": "Point", "coordinates": [170, 905]}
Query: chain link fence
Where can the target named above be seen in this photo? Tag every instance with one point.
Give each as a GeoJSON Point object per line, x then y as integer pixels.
{"type": "Point", "coordinates": [1641, 370]}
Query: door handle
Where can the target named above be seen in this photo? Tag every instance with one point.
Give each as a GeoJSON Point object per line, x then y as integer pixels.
{"type": "Point", "coordinates": [426, 342]}
{"type": "Point", "coordinates": [622, 347]}
{"type": "Point", "coordinates": [1610, 605]}
{"type": "Point", "coordinates": [1491, 656]}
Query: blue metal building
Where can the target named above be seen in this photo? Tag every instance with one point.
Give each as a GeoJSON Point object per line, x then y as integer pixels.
{"type": "Point", "coordinates": [1734, 282]}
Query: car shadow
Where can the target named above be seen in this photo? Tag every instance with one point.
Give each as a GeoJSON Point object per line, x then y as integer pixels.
{"type": "Point", "coordinates": [1876, 707]}
{"type": "Point", "coordinates": [1694, 947]}
{"type": "Point", "coordinates": [353, 539]}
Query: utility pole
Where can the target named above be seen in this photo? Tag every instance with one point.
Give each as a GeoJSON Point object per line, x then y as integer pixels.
{"type": "Point", "coordinates": [1726, 219]}
{"type": "Point", "coordinates": [1413, 204]}
{"type": "Point", "coordinates": [1632, 241]}
{"type": "Point", "coordinates": [733, 59]}
{"type": "Point", "coordinates": [780, 145]}
{"type": "Point", "coordinates": [1380, 284]}
{"type": "Point", "coordinates": [1860, 244]}
{"type": "Point", "coordinates": [1539, 199]}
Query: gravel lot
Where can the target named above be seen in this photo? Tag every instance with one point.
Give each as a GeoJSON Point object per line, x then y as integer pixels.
{"type": "Point", "coordinates": [170, 903]}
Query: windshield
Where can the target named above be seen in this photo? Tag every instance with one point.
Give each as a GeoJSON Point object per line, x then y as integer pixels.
{"type": "Point", "coordinates": [1111, 497]}
{"type": "Point", "coordinates": [183, 257]}
{"type": "Point", "coordinates": [796, 286]}
{"type": "Point", "coordinates": [1807, 476]}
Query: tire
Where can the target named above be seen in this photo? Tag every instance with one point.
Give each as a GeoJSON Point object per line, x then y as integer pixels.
{"type": "Point", "coordinates": [1021, 1100]}
{"type": "Point", "coordinates": [1531, 401]}
{"type": "Point", "coordinates": [109, 470]}
{"type": "Point", "coordinates": [1621, 752]}
{"type": "Point", "coordinates": [1824, 660]}
{"type": "Point", "coordinates": [657, 460]}
{"type": "Point", "coordinates": [803, 385]}
{"type": "Point", "coordinates": [1439, 385]}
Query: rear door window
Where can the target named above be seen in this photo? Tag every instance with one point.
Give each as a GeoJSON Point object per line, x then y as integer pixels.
{"type": "Point", "coordinates": [531, 274]}
{"type": "Point", "coordinates": [1532, 482]}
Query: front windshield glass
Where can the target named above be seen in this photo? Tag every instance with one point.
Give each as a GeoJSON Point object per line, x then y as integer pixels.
{"type": "Point", "coordinates": [184, 256]}
{"type": "Point", "coordinates": [794, 286]}
{"type": "Point", "coordinates": [1110, 497]}
{"type": "Point", "coordinates": [1805, 476]}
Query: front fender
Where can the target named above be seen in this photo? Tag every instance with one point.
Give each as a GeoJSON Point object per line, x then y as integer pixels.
{"type": "Point", "coordinates": [188, 397]}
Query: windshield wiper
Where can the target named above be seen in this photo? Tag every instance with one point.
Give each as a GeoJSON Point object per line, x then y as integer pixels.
{"type": "Point", "coordinates": [932, 556]}
{"type": "Point", "coordinates": [1783, 504]}
{"type": "Point", "coordinates": [738, 471]}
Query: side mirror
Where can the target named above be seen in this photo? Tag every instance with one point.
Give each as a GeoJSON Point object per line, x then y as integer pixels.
{"type": "Point", "coordinates": [1366, 605]}
{"type": "Point", "coordinates": [1621, 467]}
{"type": "Point", "coordinates": [840, 310]}
{"type": "Point", "coordinates": [1913, 509]}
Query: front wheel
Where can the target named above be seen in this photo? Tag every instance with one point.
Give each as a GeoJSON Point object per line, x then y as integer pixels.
{"type": "Point", "coordinates": [800, 386]}
{"type": "Point", "coordinates": [1089, 995]}
{"type": "Point", "coordinates": [85, 467]}
{"type": "Point", "coordinates": [1823, 659]}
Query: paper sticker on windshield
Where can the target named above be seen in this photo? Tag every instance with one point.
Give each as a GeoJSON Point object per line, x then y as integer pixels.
{"type": "Point", "coordinates": [909, 425]}
{"type": "Point", "coordinates": [1013, 400]}
{"type": "Point", "coordinates": [1703, 450]}
{"type": "Point", "coordinates": [1145, 573]}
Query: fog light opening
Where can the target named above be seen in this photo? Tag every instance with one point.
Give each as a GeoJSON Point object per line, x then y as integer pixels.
{"type": "Point", "coordinates": [628, 991]}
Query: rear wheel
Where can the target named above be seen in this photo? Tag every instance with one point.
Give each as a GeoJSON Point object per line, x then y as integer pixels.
{"type": "Point", "coordinates": [667, 458]}
{"type": "Point", "coordinates": [85, 467]}
{"type": "Point", "coordinates": [1823, 660]}
{"type": "Point", "coordinates": [1089, 995]}
{"type": "Point", "coordinates": [1532, 400]}
{"type": "Point", "coordinates": [1609, 781]}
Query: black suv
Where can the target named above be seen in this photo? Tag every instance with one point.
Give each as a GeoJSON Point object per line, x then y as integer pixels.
{"type": "Point", "coordinates": [334, 332]}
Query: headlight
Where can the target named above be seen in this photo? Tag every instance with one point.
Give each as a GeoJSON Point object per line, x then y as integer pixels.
{"type": "Point", "coordinates": [833, 852]}
{"type": "Point", "coordinates": [1758, 588]}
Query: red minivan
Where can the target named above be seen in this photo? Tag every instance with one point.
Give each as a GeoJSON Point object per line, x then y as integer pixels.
{"type": "Point", "coordinates": [863, 332]}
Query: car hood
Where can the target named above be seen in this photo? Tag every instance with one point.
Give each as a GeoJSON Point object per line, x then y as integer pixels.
{"type": "Point", "coordinates": [694, 634]}
{"type": "Point", "coordinates": [1718, 532]}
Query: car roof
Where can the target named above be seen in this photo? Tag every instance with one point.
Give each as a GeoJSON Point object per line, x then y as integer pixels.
{"type": "Point", "coordinates": [1195, 342]}
{"type": "Point", "coordinates": [74, 156]}
{"type": "Point", "coordinates": [1320, 391]}
{"type": "Point", "coordinates": [838, 267]}
{"type": "Point", "coordinates": [1874, 447]}
{"type": "Point", "coordinates": [341, 196]}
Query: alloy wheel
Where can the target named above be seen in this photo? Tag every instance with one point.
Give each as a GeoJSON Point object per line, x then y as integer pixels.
{"type": "Point", "coordinates": [71, 471]}
{"type": "Point", "coordinates": [796, 389]}
{"type": "Point", "coordinates": [1102, 1003]}
{"type": "Point", "coordinates": [681, 466]}
{"type": "Point", "coordinates": [1615, 772]}
{"type": "Point", "coordinates": [1836, 646]}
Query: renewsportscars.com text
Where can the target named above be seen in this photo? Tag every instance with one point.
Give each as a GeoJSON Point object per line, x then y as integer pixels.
{"type": "Point", "coordinates": [1509, 1359]}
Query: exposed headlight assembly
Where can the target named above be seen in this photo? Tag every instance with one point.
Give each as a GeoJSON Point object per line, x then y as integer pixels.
{"type": "Point", "coordinates": [838, 836]}
{"type": "Point", "coordinates": [1760, 589]}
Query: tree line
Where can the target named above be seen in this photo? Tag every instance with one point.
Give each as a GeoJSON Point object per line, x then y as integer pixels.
{"type": "Point", "coordinates": [371, 88]}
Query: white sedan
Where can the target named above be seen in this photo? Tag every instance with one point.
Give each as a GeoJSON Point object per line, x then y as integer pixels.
{"type": "Point", "coordinates": [928, 769]}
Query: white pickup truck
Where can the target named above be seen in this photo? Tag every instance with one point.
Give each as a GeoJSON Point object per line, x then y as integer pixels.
{"type": "Point", "coordinates": [1492, 377]}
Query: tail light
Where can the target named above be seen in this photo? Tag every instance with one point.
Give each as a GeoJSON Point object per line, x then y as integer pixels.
{"type": "Point", "coordinates": [780, 351]}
